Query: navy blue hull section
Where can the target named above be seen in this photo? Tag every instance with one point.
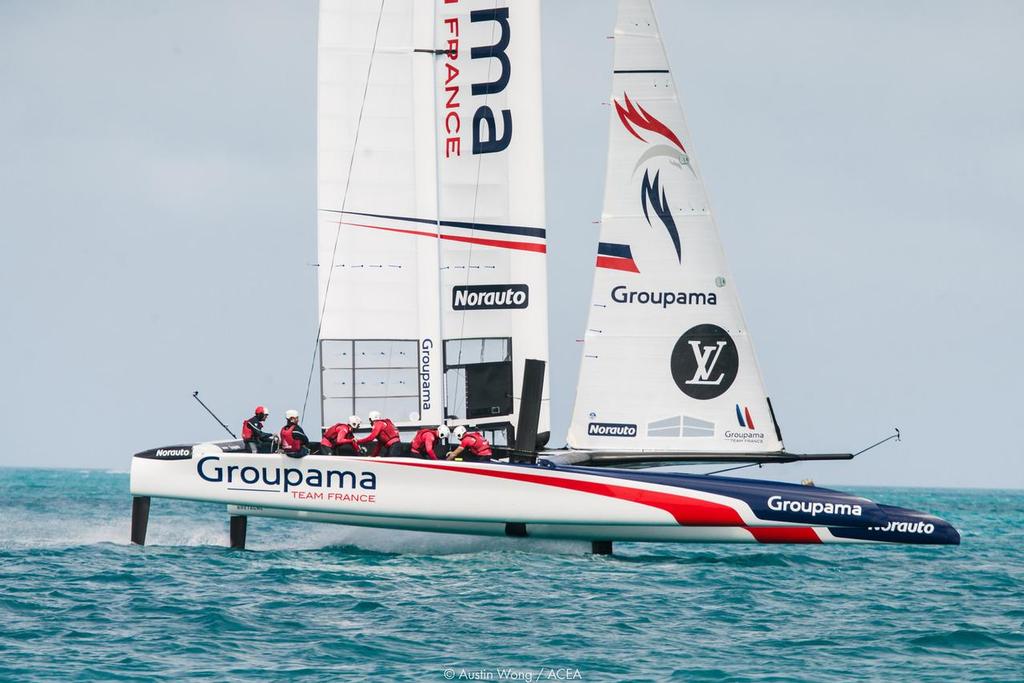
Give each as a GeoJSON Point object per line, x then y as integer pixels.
{"type": "Point", "coordinates": [770, 500]}
{"type": "Point", "coordinates": [845, 515]}
{"type": "Point", "coordinates": [904, 526]}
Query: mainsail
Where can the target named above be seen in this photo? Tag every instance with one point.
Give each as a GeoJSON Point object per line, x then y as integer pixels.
{"type": "Point", "coordinates": [668, 364]}
{"type": "Point", "coordinates": [432, 273]}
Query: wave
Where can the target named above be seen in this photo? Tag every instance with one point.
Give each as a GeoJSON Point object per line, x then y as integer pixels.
{"type": "Point", "coordinates": [966, 639]}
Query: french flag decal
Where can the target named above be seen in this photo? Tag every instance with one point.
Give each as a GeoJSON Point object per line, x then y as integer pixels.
{"type": "Point", "coordinates": [616, 257]}
{"type": "Point", "coordinates": [742, 413]}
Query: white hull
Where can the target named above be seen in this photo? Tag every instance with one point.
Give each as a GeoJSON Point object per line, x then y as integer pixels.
{"type": "Point", "coordinates": [495, 499]}
{"type": "Point", "coordinates": [573, 532]}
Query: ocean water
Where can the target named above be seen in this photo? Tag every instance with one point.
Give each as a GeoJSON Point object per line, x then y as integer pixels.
{"type": "Point", "coordinates": [320, 602]}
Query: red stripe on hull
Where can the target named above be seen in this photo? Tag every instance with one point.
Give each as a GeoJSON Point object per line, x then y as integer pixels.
{"type": "Point", "coordinates": [784, 534]}
{"type": "Point", "coordinates": [617, 264]}
{"type": "Point", "coordinates": [504, 244]}
{"type": "Point", "coordinates": [686, 511]}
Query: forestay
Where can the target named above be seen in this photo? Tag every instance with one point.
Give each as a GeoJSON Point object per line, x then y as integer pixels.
{"type": "Point", "coordinates": [668, 363]}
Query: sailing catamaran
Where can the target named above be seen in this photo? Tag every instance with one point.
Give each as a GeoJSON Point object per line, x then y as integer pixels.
{"type": "Point", "coordinates": [433, 308]}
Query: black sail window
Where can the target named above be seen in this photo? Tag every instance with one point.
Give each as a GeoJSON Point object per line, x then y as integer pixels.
{"type": "Point", "coordinates": [488, 390]}
{"type": "Point", "coordinates": [478, 377]}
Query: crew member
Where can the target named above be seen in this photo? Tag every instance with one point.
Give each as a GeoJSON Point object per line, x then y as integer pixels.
{"type": "Point", "coordinates": [472, 445]}
{"type": "Point", "coordinates": [257, 440]}
{"type": "Point", "coordinates": [294, 441]}
{"type": "Point", "coordinates": [384, 433]}
{"type": "Point", "coordinates": [423, 442]}
{"type": "Point", "coordinates": [340, 438]}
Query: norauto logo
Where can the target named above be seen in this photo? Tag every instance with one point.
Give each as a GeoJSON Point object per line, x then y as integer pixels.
{"type": "Point", "coordinates": [168, 453]}
{"type": "Point", "coordinates": [172, 452]}
{"type": "Point", "coordinates": [490, 297]}
{"type": "Point", "coordinates": [611, 429]}
{"type": "Point", "coordinates": [906, 527]}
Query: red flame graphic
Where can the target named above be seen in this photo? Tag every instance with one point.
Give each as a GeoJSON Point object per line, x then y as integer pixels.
{"type": "Point", "coordinates": [635, 114]}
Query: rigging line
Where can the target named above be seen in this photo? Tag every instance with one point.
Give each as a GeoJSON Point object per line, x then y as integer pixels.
{"type": "Point", "coordinates": [732, 469]}
{"type": "Point", "coordinates": [476, 192]}
{"type": "Point", "coordinates": [879, 443]}
{"type": "Point", "coordinates": [195, 395]}
{"type": "Point", "coordinates": [439, 250]}
{"type": "Point", "coordinates": [344, 199]}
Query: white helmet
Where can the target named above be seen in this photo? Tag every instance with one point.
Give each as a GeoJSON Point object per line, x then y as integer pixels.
{"type": "Point", "coordinates": [374, 415]}
{"type": "Point", "coordinates": [289, 414]}
{"type": "Point", "coordinates": [354, 421]}
{"type": "Point", "coordinates": [443, 431]}
{"type": "Point", "coordinates": [459, 432]}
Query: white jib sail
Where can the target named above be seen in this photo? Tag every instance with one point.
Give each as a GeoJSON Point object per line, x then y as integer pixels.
{"type": "Point", "coordinates": [431, 208]}
{"type": "Point", "coordinates": [668, 363]}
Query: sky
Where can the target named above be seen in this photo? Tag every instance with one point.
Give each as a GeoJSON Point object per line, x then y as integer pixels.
{"type": "Point", "coordinates": [864, 161]}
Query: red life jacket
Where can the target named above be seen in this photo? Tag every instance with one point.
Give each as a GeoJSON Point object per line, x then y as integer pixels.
{"type": "Point", "coordinates": [288, 443]}
{"type": "Point", "coordinates": [336, 435]}
{"type": "Point", "coordinates": [247, 433]}
{"type": "Point", "coordinates": [475, 443]}
{"type": "Point", "coordinates": [424, 442]}
{"type": "Point", "coordinates": [388, 433]}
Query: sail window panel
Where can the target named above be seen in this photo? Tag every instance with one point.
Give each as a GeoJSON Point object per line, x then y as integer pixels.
{"type": "Point", "coordinates": [399, 408]}
{"type": "Point", "coordinates": [696, 427]}
{"type": "Point", "coordinates": [488, 390]}
{"type": "Point", "coordinates": [336, 354]}
{"type": "Point", "coordinates": [386, 382]}
{"type": "Point", "coordinates": [478, 377]}
{"type": "Point", "coordinates": [360, 375]}
{"type": "Point", "coordinates": [337, 383]}
{"type": "Point", "coordinates": [458, 352]}
{"type": "Point", "coordinates": [386, 353]}
{"type": "Point", "coordinates": [455, 388]}
{"type": "Point", "coordinates": [336, 410]}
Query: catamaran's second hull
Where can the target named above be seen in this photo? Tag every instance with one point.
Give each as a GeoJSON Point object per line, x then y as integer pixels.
{"type": "Point", "coordinates": [582, 532]}
{"type": "Point", "coordinates": [495, 499]}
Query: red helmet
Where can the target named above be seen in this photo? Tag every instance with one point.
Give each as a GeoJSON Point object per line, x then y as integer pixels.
{"type": "Point", "coordinates": [260, 410]}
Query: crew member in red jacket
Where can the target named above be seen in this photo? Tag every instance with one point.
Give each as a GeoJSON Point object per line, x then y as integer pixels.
{"type": "Point", "coordinates": [340, 438]}
{"type": "Point", "coordinates": [386, 435]}
{"type": "Point", "coordinates": [423, 442]}
{"type": "Point", "coordinates": [472, 445]}
{"type": "Point", "coordinates": [294, 441]}
{"type": "Point", "coordinates": [257, 440]}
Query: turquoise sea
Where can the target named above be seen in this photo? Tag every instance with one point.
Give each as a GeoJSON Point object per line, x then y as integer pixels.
{"type": "Point", "coordinates": [318, 602]}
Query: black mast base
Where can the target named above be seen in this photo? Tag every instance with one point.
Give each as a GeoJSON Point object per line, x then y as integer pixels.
{"type": "Point", "coordinates": [140, 519]}
{"type": "Point", "coordinates": [238, 529]}
{"type": "Point", "coordinates": [515, 529]}
{"type": "Point", "coordinates": [601, 547]}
